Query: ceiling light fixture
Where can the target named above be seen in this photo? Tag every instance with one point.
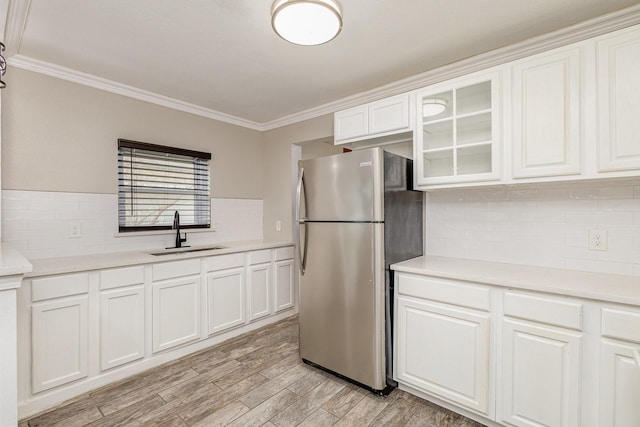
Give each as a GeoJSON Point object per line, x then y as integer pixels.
{"type": "Point", "coordinates": [433, 106]}
{"type": "Point", "coordinates": [306, 22]}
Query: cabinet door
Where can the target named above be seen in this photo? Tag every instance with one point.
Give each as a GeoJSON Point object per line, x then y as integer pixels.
{"type": "Point", "coordinates": [351, 123]}
{"type": "Point", "coordinates": [540, 375]}
{"type": "Point", "coordinates": [619, 100]}
{"type": "Point", "coordinates": [60, 342]}
{"type": "Point", "coordinates": [444, 350]}
{"type": "Point", "coordinates": [546, 114]}
{"type": "Point", "coordinates": [225, 299]}
{"type": "Point", "coordinates": [388, 115]}
{"type": "Point", "coordinates": [458, 135]}
{"type": "Point", "coordinates": [176, 312]}
{"type": "Point", "coordinates": [619, 384]}
{"type": "Point", "coordinates": [121, 326]}
{"type": "Point", "coordinates": [259, 290]}
{"type": "Point", "coordinates": [284, 285]}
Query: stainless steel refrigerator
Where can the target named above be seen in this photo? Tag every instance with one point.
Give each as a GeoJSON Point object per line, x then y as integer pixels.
{"type": "Point", "coordinates": [357, 215]}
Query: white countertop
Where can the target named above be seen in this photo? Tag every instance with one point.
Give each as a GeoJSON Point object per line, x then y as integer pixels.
{"type": "Point", "coordinates": [12, 262]}
{"type": "Point", "coordinates": [47, 266]}
{"type": "Point", "coordinates": [604, 287]}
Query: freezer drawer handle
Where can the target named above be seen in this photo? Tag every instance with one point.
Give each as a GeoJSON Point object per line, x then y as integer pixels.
{"type": "Point", "coordinates": [301, 221]}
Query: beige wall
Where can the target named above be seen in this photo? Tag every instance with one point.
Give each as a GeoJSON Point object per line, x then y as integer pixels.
{"type": "Point", "coordinates": [62, 136]}
{"type": "Point", "coordinates": [320, 149]}
{"type": "Point", "coordinates": [278, 179]}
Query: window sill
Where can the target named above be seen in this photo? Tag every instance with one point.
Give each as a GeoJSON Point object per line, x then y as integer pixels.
{"type": "Point", "coordinates": [161, 232]}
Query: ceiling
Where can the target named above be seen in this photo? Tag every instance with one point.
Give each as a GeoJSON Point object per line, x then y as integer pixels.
{"type": "Point", "coordinates": [223, 57]}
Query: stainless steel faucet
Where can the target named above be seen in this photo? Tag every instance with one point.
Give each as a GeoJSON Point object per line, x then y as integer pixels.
{"type": "Point", "coordinates": [176, 226]}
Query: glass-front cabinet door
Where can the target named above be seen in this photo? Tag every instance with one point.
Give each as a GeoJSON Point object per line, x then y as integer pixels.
{"type": "Point", "coordinates": [459, 130]}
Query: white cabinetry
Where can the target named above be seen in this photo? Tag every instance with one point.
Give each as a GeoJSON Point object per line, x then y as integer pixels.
{"type": "Point", "coordinates": [122, 312]}
{"type": "Point", "coordinates": [541, 361]}
{"type": "Point", "coordinates": [59, 321]}
{"type": "Point", "coordinates": [618, 85]}
{"type": "Point", "coordinates": [384, 117]}
{"type": "Point", "coordinates": [547, 104]}
{"type": "Point", "coordinates": [462, 142]}
{"type": "Point", "coordinates": [443, 340]}
{"type": "Point", "coordinates": [176, 303]}
{"type": "Point", "coordinates": [259, 281]}
{"type": "Point", "coordinates": [225, 292]}
{"type": "Point", "coordinates": [283, 278]}
{"type": "Point", "coordinates": [620, 367]}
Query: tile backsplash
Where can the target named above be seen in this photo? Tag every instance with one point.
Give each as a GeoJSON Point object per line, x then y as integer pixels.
{"type": "Point", "coordinates": [38, 224]}
{"type": "Point", "coordinates": [542, 225]}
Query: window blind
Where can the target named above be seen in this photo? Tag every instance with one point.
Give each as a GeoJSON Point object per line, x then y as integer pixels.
{"type": "Point", "coordinates": [155, 181]}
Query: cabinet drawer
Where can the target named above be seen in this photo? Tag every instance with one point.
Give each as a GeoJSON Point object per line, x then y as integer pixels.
{"type": "Point", "coordinates": [59, 286]}
{"type": "Point", "coordinates": [169, 270]}
{"type": "Point", "coordinates": [621, 324]}
{"type": "Point", "coordinates": [444, 290]}
{"type": "Point", "coordinates": [543, 309]}
{"type": "Point", "coordinates": [118, 277]}
{"type": "Point", "coordinates": [222, 262]}
{"type": "Point", "coordinates": [260, 257]}
{"type": "Point", "coordinates": [284, 253]}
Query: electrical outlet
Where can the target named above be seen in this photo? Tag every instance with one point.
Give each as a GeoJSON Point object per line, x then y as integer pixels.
{"type": "Point", "coordinates": [598, 240]}
{"type": "Point", "coordinates": [278, 225]}
{"type": "Point", "coordinates": [75, 230]}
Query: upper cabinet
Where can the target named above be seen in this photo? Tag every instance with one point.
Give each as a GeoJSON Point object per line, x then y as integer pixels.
{"type": "Point", "coordinates": [380, 118]}
{"type": "Point", "coordinates": [618, 92]}
{"type": "Point", "coordinates": [459, 132]}
{"type": "Point", "coordinates": [570, 113]}
{"type": "Point", "coordinates": [546, 104]}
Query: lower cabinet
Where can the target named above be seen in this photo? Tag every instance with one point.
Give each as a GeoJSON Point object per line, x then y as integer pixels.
{"type": "Point", "coordinates": [176, 312]}
{"type": "Point", "coordinates": [517, 358]}
{"type": "Point", "coordinates": [443, 339]}
{"type": "Point", "coordinates": [59, 330]}
{"type": "Point", "coordinates": [283, 272]}
{"type": "Point", "coordinates": [122, 314]}
{"type": "Point", "coordinates": [76, 331]}
{"type": "Point", "coordinates": [444, 349]}
{"type": "Point", "coordinates": [121, 326]}
{"type": "Point", "coordinates": [620, 368]}
{"type": "Point", "coordinates": [225, 299]}
{"type": "Point", "coordinates": [60, 341]}
{"type": "Point", "coordinates": [259, 286]}
{"type": "Point", "coordinates": [541, 369]}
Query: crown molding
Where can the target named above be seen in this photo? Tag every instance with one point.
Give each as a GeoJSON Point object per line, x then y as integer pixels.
{"type": "Point", "coordinates": [576, 33]}
{"type": "Point", "coordinates": [18, 10]}
{"type": "Point", "coordinates": [17, 13]}
{"type": "Point", "coordinates": [96, 82]}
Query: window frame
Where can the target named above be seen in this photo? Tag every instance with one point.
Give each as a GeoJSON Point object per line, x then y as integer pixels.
{"type": "Point", "coordinates": [133, 145]}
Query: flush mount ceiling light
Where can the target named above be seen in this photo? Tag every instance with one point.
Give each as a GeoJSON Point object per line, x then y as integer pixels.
{"type": "Point", "coordinates": [433, 106]}
{"type": "Point", "coordinates": [306, 22]}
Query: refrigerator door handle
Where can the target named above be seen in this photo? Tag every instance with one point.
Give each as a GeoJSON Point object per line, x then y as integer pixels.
{"type": "Point", "coordinates": [301, 221]}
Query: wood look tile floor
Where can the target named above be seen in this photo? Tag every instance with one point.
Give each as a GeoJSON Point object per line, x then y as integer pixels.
{"type": "Point", "coordinates": [256, 379]}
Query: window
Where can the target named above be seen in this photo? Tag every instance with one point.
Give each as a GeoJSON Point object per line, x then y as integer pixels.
{"type": "Point", "coordinates": [155, 181]}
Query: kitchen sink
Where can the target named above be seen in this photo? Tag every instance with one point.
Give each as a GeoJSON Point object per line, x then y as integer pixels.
{"type": "Point", "coordinates": [174, 251]}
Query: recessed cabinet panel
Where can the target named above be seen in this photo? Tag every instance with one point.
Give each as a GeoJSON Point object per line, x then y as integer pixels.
{"type": "Point", "coordinates": [176, 312]}
{"type": "Point", "coordinates": [547, 106]}
{"type": "Point", "coordinates": [540, 376]}
{"type": "Point", "coordinates": [225, 299]}
{"type": "Point", "coordinates": [121, 326]}
{"type": "Point", "coordinates": [618, 86]}
{"type": "Point", "coordinates": [59, 342]}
